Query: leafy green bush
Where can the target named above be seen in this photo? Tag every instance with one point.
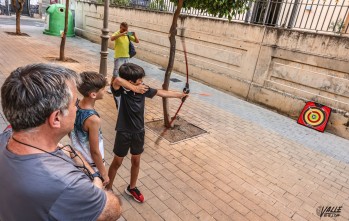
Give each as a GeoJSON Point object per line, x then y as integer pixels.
{"type": "Point", "coordinates": [120, 2]}
{"type": "Point", "coordinates": [337, 26]}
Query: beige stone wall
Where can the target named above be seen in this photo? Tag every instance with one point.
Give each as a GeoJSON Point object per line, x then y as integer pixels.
{"type": "Point", "coordinates": [280, 69]}
{"type": "Point", "coordinates": [294, 67]}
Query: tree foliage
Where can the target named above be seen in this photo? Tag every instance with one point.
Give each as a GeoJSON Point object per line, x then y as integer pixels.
{"type": "Point", "coordinates": [220, 8]}
{"type": "Point", "coordinates": [158, 5]}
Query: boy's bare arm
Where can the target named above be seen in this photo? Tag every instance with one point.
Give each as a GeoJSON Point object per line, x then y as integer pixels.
{"type": "Point", "coordinates": [92, 125]}
{"type": "Point", "coordinates": [120, 82]}
{"type": "Point", "coordinates": [170, 94]}
{"type": "Point", "coordinates": [113, 38]}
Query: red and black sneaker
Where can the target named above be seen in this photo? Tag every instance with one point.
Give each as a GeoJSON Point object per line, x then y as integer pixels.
{"type": "Point", "coordinates": [135, 193]}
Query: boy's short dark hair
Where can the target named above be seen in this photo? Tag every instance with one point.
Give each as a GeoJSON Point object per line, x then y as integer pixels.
{"type": "Point", "coordinates": [131, 72]}
{"type": "Point", "coordinates": [124, 24]}
{"type": "Point", "coordinates": [91, 82]}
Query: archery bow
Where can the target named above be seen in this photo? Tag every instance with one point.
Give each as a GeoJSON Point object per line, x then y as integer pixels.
{"type": "Point", "coordinates": [186, 88]}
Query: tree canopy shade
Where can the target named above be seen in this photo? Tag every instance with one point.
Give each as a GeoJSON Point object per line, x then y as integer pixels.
{"type": "Point", "coordinates": [220, 8]}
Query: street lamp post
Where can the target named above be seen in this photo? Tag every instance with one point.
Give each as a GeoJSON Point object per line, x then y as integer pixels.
{"type": "Point", "coordinates": [105, 37]}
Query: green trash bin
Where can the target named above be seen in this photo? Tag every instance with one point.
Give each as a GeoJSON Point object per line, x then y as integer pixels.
{"type": "Point", "coordinates": [55, 21]}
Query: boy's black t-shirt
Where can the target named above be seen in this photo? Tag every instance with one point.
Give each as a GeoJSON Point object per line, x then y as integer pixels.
{"type": "Point", "coordinates": [131, 110]}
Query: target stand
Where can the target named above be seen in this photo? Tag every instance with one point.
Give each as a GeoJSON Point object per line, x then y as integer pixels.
{"type": "Point", "coordinates": [315, 116]}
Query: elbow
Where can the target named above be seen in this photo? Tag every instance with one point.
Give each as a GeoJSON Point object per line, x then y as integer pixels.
{"type": "Point", "coordinates": [112, 209]}
{"type": "Point", "coordinates": [117, 80]}
{"type": "Point", "coordinates": [94, 153]}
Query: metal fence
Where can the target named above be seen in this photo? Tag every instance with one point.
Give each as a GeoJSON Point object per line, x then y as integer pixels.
{"type": "Point", "coordinates": [324, 16]}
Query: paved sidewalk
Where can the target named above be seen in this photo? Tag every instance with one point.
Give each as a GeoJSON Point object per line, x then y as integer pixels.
{"type": "Point", "coordinates": [253, 164]}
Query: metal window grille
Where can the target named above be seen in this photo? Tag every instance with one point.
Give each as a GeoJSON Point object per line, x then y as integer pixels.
{"type": "Point", "coordinates": [323, 16]}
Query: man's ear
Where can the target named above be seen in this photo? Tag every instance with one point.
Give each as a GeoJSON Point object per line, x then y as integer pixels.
{"type": "Point", "coordinates": [93, 95]}
{"type": "Point", "coordinates": [55, 119]}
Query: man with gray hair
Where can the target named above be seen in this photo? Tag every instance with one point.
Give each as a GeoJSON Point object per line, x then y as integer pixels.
{"type": "Point", "coordinates": [39, 179]}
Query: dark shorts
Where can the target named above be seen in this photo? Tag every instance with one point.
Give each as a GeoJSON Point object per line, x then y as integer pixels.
{"type": "Point", "coordinates": [124, 141]}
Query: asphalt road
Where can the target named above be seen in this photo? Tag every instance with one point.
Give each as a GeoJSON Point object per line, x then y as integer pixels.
{"type": "Point", "coordinates": [11, 20]}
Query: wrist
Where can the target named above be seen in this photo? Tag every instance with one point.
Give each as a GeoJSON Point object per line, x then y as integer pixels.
{"type": "Point", "coordinates": [104, 174]}
{"type": "Point", "coordinates": [97, 175]}
{"type": "Point", "coordinates": [134, 88]}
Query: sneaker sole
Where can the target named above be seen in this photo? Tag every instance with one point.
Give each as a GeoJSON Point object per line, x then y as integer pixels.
{"type": "Point", "coordinates": [130, 194]}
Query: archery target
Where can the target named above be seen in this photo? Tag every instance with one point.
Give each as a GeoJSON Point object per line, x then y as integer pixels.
{"type": "Point", "coordinates": [315, 116]}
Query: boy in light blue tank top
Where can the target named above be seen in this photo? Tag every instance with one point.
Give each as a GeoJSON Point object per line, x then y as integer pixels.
{"type": "Point", "coordinates": [87, 135]}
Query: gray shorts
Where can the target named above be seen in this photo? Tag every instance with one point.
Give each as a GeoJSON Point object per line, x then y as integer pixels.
{"type": "Point", "coordinates": [117, 63]}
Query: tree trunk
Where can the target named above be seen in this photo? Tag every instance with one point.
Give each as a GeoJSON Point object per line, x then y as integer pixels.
{"type": "Point", "coordinates": [166, 84]}
{"type": "Point", "coordinates": [64, 35]}
{"type": "Point", "coordinates": [18, 14]}
{"type": "Point", "coordinates": [18, 23]}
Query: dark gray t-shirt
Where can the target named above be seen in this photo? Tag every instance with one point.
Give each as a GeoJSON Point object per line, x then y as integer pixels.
{"type": "Point", "coordinates": [131, 110]}
{"type": "Point", "coordinates": [45, 187]}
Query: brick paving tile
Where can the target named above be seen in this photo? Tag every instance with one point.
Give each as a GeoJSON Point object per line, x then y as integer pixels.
{"type": "Point", "coordinates": [204, 216]}
{"type": "Point", "coordinates": [191, 206]}
{"type": "Point", "coordinates": [187, 215]}
{"type": "Point", "coordinates": [219, 215]}
{"type": "Point", "coordinates": [150, 214]}
{"type": "Point", "coordinates": [148, 182]}
{"type": "Point", "coordinates": [283, 217]}
{"type": "Point", "coordinates": [157, 204]}
{"type": "Point", "coordinates": [297, 217]}
{"type": "Point", "coordinates": [252, 206]}
{"type": "Point", "coordinates": [239, 207]}
{"type": "Point", "coordinates": [224, 207]}
{"type": "Point", "coordinates": [210, 195]}
{"type": "Point", "coordinates": [161, 193]}
{"type": "Point", "coordinates": [132, 215]}
{"type": "Point", "coordinates": [252, 216]}
{"type": "Point", "coordinates": [226, 198]}
{"type": "Point", "coordinates": [169, 215]}
{"type": "Point", "coordinates": [194, 184]}
{"type": "Point", "coordinates": [206, 205]}
{"type": "Point", "coordinates": [174, 205]}
{"type": "Point", "coordinates": [269, 217]}
{"type": "Point", "coordinates": [253, 164]}
{"type": "Point", "coordinates": [237, 216]}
